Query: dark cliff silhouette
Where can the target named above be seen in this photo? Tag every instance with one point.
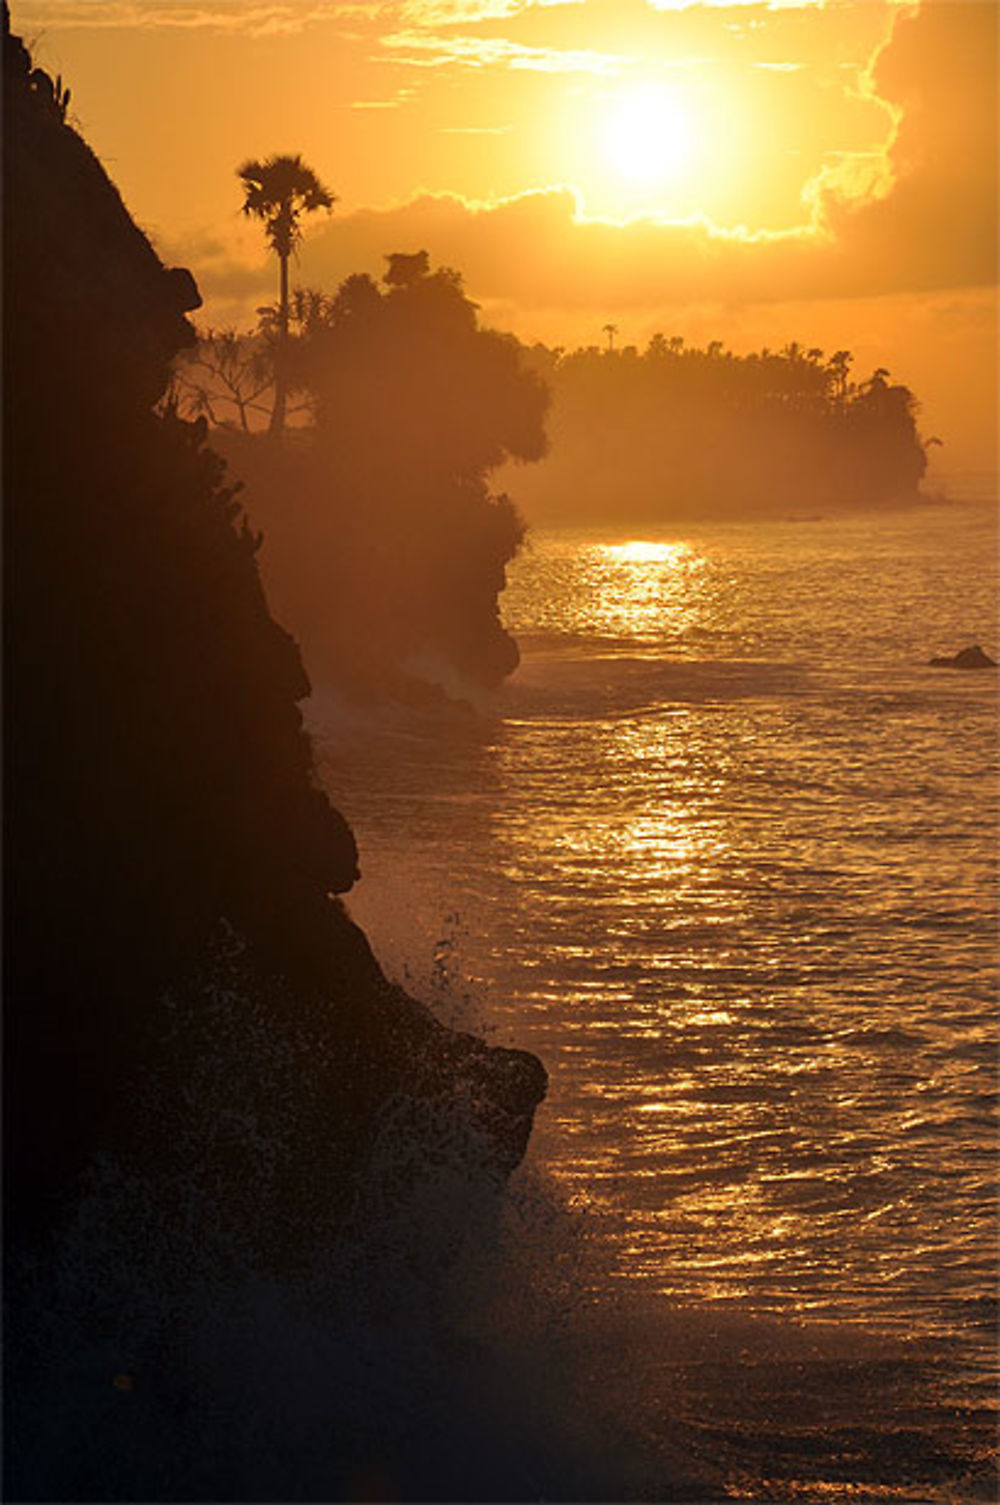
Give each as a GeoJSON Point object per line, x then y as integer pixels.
{"type": "Point", "coordinates": [384, 548]}
{"type": "Point", "coordinates": [159, 791]}
{"type": "Point", "coordinates": [678, 431]}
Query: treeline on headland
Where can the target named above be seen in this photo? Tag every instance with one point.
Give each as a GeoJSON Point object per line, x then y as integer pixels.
{"type": "Point", "coordinates": [677, 431]}
{"type": "Point", "coordinates": [384, 546]}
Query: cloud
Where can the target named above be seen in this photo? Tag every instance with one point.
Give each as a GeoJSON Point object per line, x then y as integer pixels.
{"type": "Point", "coordinates": [536, 249]}
{"type": "Point", "coordinates": [915, 217]}
{"type": "Point", "coordinates": [896, 255]}
{"type": "Point", "coordinates": [933, 223]}
{"type": "Point", "coordinates": [232, 287]}
{"type": "Point", "coordinates": [458, 12]}
{"type": "Point", "coordinates": [484, 52]}
{"type": "Point", "coordinates": [255, 20]}
{"type": "Point", "coordinates": [469, 12]}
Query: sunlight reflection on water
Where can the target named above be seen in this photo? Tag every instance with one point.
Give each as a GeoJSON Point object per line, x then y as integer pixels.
{"type": "Point", "coordinates": [644, 552]}
{"type": "Point", "coordinates": [730, 870]}
{"type": "Point", "coordinates": [632, 590]}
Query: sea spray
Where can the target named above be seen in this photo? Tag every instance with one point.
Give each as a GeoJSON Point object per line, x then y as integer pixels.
{"type": "Point", "coordinates": [420, 1343]}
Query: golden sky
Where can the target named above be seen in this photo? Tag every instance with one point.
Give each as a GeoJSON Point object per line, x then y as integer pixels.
{"type": "Point", "coordinates": [751, 172]}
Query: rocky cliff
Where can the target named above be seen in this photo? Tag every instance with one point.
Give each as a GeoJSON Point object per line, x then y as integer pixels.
{"type": "Point", "coordinates": [164, 827]}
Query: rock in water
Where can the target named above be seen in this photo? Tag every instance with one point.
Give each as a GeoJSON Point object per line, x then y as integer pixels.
{"type": "Point", "coordinates": [966, 658]}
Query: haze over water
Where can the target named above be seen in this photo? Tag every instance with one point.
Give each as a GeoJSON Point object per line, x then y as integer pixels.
{"type": "Point", "coordinates": [725, 848]}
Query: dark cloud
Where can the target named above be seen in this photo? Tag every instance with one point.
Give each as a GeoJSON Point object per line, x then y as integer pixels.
{"type": "Point", "coordinates": [937, 227]}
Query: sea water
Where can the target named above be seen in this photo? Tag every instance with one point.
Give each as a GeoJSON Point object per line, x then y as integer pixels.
{"type": "Point", "coordinates": [722, 852]}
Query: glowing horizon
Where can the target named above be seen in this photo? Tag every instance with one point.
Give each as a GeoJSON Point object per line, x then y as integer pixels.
{"type": "Point", "coordinates": [753, 173]}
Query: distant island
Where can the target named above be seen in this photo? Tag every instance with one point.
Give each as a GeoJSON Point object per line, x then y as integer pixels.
{"type": "Point", "coordinates": [677, 431]}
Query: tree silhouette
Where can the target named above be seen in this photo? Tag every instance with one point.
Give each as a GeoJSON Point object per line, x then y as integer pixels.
{"type": "Point", "coordinates": [610, 330]}
{"type": "Point", "coordinates": [226, 374]}
{"type": "Point", "coordinates": [278, 191]}
{"type": "Point", "coordinates": [838, 366]}
{"type": "Point", "coordinates": [406, 270]}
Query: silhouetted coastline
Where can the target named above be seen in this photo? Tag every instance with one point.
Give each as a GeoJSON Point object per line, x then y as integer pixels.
{"type": "Point", "coordinates": [672, 432]}
{"type": "Point", "coordinates": [167, 845]}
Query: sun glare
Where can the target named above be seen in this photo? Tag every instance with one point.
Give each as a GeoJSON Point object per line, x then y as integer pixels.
{"type": "Point", "coordinates": [648, 136]}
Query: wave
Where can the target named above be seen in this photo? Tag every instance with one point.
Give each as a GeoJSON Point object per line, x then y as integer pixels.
{"type": "Point", "coordinates": [445, 1338]}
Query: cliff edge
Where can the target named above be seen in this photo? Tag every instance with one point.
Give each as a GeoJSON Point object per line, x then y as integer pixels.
{"type": "Point", "coordinates": [162, 809]}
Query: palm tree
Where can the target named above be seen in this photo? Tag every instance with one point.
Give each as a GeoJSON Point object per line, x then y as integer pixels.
{"type": "Point", "coordinates": [610, 330]}
{"type": "Point", "coordinates": [838, 366]}
{"type": "Point", "coordinates": [278, 191]}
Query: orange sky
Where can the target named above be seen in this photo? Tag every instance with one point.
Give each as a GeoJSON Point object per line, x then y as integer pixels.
{"type": "Point", "coordinates": [748, 172]}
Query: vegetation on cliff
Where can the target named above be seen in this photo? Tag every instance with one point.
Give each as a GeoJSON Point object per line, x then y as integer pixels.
{"type": "Point", "coordinates": [384, 546]}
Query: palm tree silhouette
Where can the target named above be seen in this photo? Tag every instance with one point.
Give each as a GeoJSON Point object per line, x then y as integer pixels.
{"type": "Point", "coordinates": [611, 330]}
{"type": "Point", "coordinates": [278, 191]}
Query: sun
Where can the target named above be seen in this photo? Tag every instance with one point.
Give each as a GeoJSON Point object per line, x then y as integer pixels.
{"type": "Point", "coordinates": [648, 135]}
{"type": "Point", "coordinates": [652, 144]}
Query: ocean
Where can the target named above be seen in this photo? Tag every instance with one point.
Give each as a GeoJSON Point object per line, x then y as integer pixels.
{"type": "Point", "coordinates": [723, 853]}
